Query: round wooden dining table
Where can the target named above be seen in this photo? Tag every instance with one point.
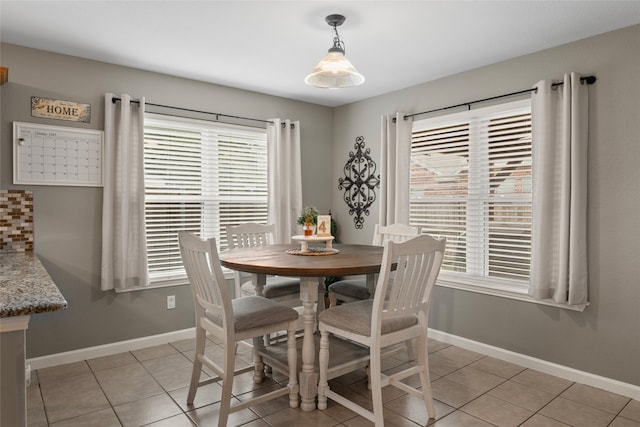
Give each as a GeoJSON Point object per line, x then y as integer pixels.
{"type": "Point", "coordinates": [285, 260]}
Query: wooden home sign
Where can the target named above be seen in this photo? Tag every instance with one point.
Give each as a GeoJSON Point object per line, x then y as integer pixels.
{"type": "Point", "coordinates": [61, 110]}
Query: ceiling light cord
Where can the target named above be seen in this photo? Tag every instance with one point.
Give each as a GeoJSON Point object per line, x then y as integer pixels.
{"type": "Point", "coordinates": [338, 44]}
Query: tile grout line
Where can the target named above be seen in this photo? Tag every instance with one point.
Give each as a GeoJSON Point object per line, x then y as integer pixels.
{"type": "Point", "coordinates": [104, 393]}
{"type": "Point", "coordinates": [400, 362]}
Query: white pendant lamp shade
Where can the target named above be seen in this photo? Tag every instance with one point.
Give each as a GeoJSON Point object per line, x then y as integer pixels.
{"type": "Point", "coordinates": [335, 71]}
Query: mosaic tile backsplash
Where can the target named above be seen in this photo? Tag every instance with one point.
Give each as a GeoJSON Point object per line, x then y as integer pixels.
{"type": "Point", "coordinates": [16, 221]}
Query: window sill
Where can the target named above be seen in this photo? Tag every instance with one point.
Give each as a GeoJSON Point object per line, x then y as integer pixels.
{"type": "Point", "coordinates": [154, 285]}
{"type": "Point", "coordinates": [505, 291]}
{"type": "Point", "coordinates": [496, 289]}
{"type": "Point", "coordinates": [180, 281]}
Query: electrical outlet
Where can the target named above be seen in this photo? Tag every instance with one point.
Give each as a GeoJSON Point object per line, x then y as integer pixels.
{"type": "Point", "coordinates": [171, 302]}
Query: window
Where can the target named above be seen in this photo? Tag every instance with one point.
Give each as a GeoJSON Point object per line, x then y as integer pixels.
{"type": "Point", "coordinates": [471, 182]}
{"type": "Point", "coordinates": [199, 177]}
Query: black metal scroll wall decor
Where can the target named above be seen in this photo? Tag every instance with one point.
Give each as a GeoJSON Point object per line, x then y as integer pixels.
{"type": "Point", "coordinates": [359, 182]}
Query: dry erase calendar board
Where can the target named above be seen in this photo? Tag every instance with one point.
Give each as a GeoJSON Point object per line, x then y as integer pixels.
{"type": "Point", "coordinates": [56, 155]}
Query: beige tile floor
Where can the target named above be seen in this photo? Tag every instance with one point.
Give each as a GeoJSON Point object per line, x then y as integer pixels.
{"type": "Point", "coordinates": [148, 387]}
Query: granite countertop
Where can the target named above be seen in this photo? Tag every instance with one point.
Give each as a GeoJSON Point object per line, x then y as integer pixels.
{"type": "Point", "coordinates": [26, 287]}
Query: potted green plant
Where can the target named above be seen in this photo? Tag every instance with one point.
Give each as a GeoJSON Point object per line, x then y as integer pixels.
{"type": "Point", "coordinates": [307, 219]}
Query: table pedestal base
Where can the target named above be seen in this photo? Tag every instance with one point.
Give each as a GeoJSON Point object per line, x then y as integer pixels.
{"type": "Point", "coordinates": [308, 375]}
{"type": "Point", "coordinates": [345, 356]}
{"type": "Point", "coordinates": [343, 353]}
{"type": "Point", "coordinates": [308, 390]}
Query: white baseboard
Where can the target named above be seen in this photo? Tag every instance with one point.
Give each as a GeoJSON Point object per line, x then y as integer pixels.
{"type": "Point", "coordinates": [109, 349]}
{"type": "Point", "coordinates": [608, 384]}
{"type": "Point", "coordinates": [614, 386]}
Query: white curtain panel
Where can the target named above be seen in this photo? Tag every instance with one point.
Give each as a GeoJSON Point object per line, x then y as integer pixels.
{"type": "Point", "coordinates": [559, 230]}
{"type": "Point", "coordinates": [395, 165]}
{"type": "Point", "coordinates": [285, 178]}
{"type": "Point", "coordinates": [124, 249]}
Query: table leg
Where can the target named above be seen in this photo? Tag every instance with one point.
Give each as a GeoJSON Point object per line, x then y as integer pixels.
{"type": "Point", "coordinates": [308, 375]}
{"type": "Point", "coordinates": [259, 280]}
{"type": "Point", "coordinates": [371, 283]}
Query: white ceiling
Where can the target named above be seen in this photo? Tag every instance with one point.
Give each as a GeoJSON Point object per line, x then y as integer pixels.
{"type": "Point", "coordinates": [270, 46]}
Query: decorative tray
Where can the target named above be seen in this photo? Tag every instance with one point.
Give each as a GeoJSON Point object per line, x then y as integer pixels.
{"type": "Point", "coordinates": [314, 238]}
{"type": "Point", "coordinates": [306, 250]}
{"type": "Point", "coordinates": [313, 251]}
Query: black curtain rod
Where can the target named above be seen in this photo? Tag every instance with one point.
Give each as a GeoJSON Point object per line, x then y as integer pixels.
{"type": "Point", "coordinates": [586, 79]}
{"type": "Point", "coordinates": [115, 99]}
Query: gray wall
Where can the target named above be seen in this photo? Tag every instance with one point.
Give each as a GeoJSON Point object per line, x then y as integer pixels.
{"type": "Point", "coordinates": [68, 219]}
{"type": "Point", "coordinates": [605, 339]}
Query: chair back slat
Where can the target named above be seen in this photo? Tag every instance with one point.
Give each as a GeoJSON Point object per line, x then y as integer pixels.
{"type": "Point", "coordinates": [208, 285]}
{"type": "Point", "coordinates": [394, 232]}
{"type": "Point", "coordinates": [249, 235]}
{"type": "Point", "coordinates": [406, 290]}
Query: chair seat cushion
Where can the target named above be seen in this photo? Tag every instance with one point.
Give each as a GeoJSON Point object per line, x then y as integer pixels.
{"type": "Point", "coordinates": [276, 287]}
{"type": "Point", "coordinates": [356, 318]}
{"type": "Point", "coordinates": [254, 312]}
{"type": "Point", "coordinates": [353, 288]}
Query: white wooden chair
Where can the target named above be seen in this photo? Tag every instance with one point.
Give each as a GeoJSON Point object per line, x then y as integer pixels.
{"type": "Point", "coordinates": [232, 320]}
{"type": "Point", "coordinates": [351, 290]}
{"type": "Point", "coordinates": [283, 289]}
{"type": "Point", "coordinates": [398, 312]}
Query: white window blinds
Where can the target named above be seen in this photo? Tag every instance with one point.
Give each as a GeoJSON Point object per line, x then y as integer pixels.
{"type": "Point", "coordinates": [471, 182]}
{"type": "Point", "coordinates": [199, 177]}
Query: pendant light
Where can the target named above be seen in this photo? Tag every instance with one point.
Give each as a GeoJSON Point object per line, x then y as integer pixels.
{"type": "Point", "coordinates": [335, 71]}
